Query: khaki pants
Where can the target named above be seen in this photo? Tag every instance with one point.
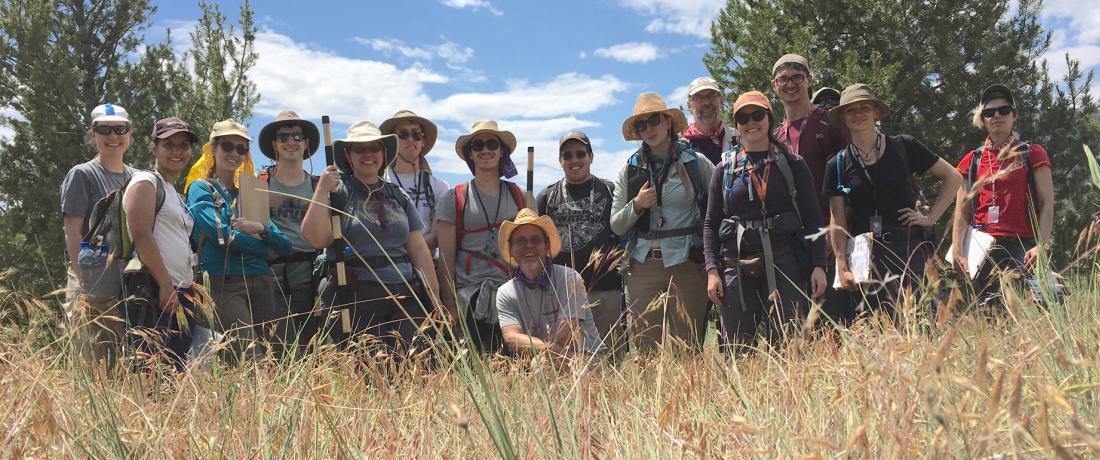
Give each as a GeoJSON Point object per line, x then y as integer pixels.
{"type": "Point", "coordinates": [656, 313]}
{"type": "Point", "coordinates": [244, 309]}
{"type": "Point", "coordinates": [97, 326]}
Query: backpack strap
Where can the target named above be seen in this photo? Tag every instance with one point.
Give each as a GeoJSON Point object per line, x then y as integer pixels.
{"type": "Point", "coordinates": [1025, 157]}
{"type": "Point", "coordinates": [125, 241]}
{"type": "Point", "coordinates": [788, 177]}
{"type": "Point", "coordinates": [461, 191]}
{"type": "Point", "coordinates": [972, 177]}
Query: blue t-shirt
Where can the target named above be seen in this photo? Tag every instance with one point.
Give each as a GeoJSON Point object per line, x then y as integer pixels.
{"type": "Point", "coordinates": [384, 218]}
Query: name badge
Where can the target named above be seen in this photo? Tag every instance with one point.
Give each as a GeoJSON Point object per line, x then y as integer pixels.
{"type": "Point", "coordinates": [994, 214]}
{"type": "Point", "coordinates": [876, 225]}
{"type": "Point", "coordinates": [193, 260]}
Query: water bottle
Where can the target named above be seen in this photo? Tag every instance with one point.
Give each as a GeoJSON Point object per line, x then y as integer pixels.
{"type": "Point", "coordinates": [104, 251]}
{"type": "Point", "coordinates": [87, 256]}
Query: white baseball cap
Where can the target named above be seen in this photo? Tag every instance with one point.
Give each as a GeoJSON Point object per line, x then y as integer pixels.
{"type": "Point", "coordinates": [702, 83]}
{"type": "Point", "coordinates": [109, 112]}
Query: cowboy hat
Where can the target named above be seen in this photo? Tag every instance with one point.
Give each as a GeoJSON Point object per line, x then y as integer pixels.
{"type": "Point", "coordinates": [288, 118]}
{"type": "Point", "coordinates": [528, 217]}
{"type": "Point", "coordinates": [648, 104]}
{"type": "Point", "coordinates": [858, 92]}
{"type": "Point", "coordinates": [485, 126]}
{"type": "Point", "coordinates": [363, 132]}
{"type": "Point", "coordinates": [430, 130]}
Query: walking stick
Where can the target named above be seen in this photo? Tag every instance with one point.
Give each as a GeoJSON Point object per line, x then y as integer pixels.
{"type": "Point", "coordinates": [338, 243]}
{"type": "Point", "coordinates": [529, 196]}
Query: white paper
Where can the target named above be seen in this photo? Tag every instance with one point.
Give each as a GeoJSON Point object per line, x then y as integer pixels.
{"type": "Point", "coordinates": [859, 259]}
{"type": "Point", "coordinates": [978, 244]}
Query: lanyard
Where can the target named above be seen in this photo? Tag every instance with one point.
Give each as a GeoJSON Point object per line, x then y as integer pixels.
{"type": "Point", "coordinates": [855, 152]}
{"type": "Point", "coordinates": [759, 183]}
{"type": "Point", "coordinates": [591, 193]}
{"type": "Point", "coordinates": [801, 127]}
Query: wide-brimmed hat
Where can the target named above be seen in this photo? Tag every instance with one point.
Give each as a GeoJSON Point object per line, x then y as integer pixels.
{"type": "Point", "coordinates": [363, 131]}
{"type": "Point", "coordinates": [997, 92]}
{"type": "Point", "coordinates": [166, 127]}
{"type": "Point", "coordinates": [288, 118]}
{"type": "Point", "coordinates": [648, 104]}
{"type": "Point", "coordinates": [485, 126]}
{"type": "Point", "coordinates": [429, 128]}
{"type": "Point", "coordinates": [858, 92]}
{"type": "Point", "coordinates": [229, 127]}
{"type": "Point", "coordinates": [528, 217]}
{"type": "Point", "coordinates": [752, 98]}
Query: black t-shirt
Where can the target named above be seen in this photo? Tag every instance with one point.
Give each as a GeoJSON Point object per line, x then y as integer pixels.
{"type": "Point", "coordinates": [708, 148]}
{"type": "Point", "coordinates": [890, 187]}
{"type": "Point", "coordinates": [583, 219]}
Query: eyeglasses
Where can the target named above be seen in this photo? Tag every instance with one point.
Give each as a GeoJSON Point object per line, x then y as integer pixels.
{"type": "Point", "coordinates": [641, 125]}
{"type": "Point", "coordinates": [1003, 110]}
{"type": "Point", "coordinates": [528, 240]}
{"type": "Point", "coordinates": [706, 96]}
{"type": "Point", "coordinates": [796, 79]}
{"type": "Point", "coordinates": [743, 118]}
{"type": "Point", "coordinates": [229, 147]}
{"type": "Point", "coordinates": [361, 149]}
{"type": "Point", "coordinates": [568, 156]}
{"type": "Point", "coordinates": [104, 130]}
{"type": "Point", "coordinates": [478, 145]}
{"type": "Point", "coordinates": [416, 135]}
{"type": "Point", "coordinates": [287, 137]}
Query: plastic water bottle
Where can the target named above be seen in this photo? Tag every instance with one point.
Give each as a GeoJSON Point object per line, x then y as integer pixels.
{"type": "Point", "coordinates": [104, 251]}
{"type": "Point", "coordinates": [87, 256]}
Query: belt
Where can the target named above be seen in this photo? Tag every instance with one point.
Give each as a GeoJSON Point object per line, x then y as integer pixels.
{"type": "Point", "coordinates": [295, 257]}
{"type": "Point", "coordinates": [670, 233]}
{"type": "Point", "coordinates": [375, 261]}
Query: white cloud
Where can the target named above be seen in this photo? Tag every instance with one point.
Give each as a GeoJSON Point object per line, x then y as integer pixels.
{"type": "Point", "coordinates": [678, 98]}
{"type": "Point", "coordinates": [1077, 34]}
{"type": "Point", "coordinates": [472, 4]}
{"type": "Point", "coordinates": [688, 17]}
{"type": "Point", "coordinates": [1087, 55]}
{"type": "Point", "coordinates": [633, 52]}
{"type": "Point", "coordinates": [1084, 20]}
{"type": "Point", "coordinates": [391, 46]}
{"type": "Point", "coordinates": [565, 94]}
{"type": "Point", "coordinates": [455, 56]}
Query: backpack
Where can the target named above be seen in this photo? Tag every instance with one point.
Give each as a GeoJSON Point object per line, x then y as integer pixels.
{"type": "Point", "coordinates": [1025, 157]}
{"type": "Point", "coordinates": [637, 176]}
{"type": "Point", "coordinates": [107, 226]}
{"type": "Point", "coordinates": [781, 161]}
{"type": "Point", "coordinates": [462, 192]}
{"type": "Point", "coordinates": [266, 174]}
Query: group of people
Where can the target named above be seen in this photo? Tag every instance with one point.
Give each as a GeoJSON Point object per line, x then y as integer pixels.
{"type": "Point", "coordinates": [703, 214]}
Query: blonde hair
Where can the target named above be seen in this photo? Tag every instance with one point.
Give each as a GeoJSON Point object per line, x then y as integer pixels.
{"type": "Point", "coordinates": [976, 120]}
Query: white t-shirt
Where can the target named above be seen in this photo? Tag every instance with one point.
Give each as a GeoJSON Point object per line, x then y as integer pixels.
{"type": "Point", "coordinates": [171, 232]}
{"type": "Point", "coordinates": [418, 193]}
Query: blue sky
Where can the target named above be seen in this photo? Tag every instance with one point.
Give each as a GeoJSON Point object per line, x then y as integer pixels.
{"type": "Point", "coordinates": [539, 68]}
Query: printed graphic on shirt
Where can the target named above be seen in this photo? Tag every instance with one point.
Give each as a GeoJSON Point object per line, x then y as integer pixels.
{"type": "Point", "coordinates": [289, 209]}
{"type": "Point", "coordinates": [579, 222]}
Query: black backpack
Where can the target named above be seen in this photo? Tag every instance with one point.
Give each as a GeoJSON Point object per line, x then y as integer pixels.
{"type": "Point", "coordinates": [107, 226]}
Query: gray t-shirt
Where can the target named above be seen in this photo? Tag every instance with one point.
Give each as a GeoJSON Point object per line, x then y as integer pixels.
{"type": "Point", "coordinates": [425, 194]}
{"type": "Point", "coordinates": [287, 212]}
{"type": "Point", "coordinates": [87, 183]}
{"type": "Point", "coordinates": [482, 211]}
{"type": "Point", "coordinates": [538, 311]}
{"type": "Point", "coordinates": [378, 213]}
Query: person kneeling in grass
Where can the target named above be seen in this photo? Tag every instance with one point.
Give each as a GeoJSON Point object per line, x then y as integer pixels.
{"type": "Point", "coordinates": [544, 306]}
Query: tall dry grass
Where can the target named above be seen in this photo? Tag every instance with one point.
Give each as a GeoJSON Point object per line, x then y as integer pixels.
{"type": "Point", "coordinates": [960, 386]}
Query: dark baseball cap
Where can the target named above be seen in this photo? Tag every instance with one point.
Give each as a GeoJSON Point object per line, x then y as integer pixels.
{"type": "Point", "coordinates": [998, 92]}
{"type": "Point", "coordinates": [574, 136]}
{"type": "Point", "coordinates": [166, 127]}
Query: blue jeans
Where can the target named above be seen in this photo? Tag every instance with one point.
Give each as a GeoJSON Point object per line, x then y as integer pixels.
{"type": "Point", "coordinates": [151, 332]}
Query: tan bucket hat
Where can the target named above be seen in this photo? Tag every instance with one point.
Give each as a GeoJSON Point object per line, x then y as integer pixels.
{"type": "Point", "coordinates": [648, 104]}
{"type": "Point", "coordinates": [229, 127]}
{"type": "Point", "coordinates": [289, 118]}
{"type": "Point", "coordinates": [430, 129]}
{"type": "Point", "coordinates": [363, 131]}
{"type": "Point", "coordinates": [528, 217]}
{"type": "Point", "coordinates": [485, 126]}
{"type": "Point", "coordinates": [858, 92]}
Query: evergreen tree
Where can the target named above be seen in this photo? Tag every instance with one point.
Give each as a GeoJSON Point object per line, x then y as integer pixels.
{"type": "Point", "coordinates": [929, 62]}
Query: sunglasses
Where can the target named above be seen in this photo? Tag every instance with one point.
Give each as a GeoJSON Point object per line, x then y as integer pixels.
{"type": "Point", "coordinates": [287, 137]}
{"type": "Point", "coordinates": [641, 125]}
{"type": "Point", "coordinates": [580, 155]}
{"type": "Point", "coordinates": [104, 130]}
{"type": "Point", "coordinates": [796, 79]}
{"type": "Point", "coordinates": [1004, 110]}
{"type": "Point", "coordinates": [229, 147]}
{"type": "Point", "coordinates": [416, 135]}
{"type": "Point", "coordinates": [743, 118]}
{"type": "Point", "coordinates": [478, 145]}
{"type": "Point", "coordinates": [361, 149]}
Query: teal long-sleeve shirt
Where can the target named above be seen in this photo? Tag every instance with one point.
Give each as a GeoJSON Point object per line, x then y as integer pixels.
{"type": "Point", "coordinates": [239, 253]}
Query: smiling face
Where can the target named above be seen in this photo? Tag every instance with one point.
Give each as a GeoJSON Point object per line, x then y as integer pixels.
{"type": "Point", "coordinates": [229, 153]}
{"type": "Point", "coordinates": [172, 154]}
{"type": "Point", "coordinates": [575, 161]}
{"type": "Point", "coordinates": [792, 84]}
{"type": "Point", "coordinates": [482, 153]}
{"type": "Point", "coordinates": [753, 123]}
{"type": "Point", "coordinates": [286, 148]}
{"type": "Point", "coordinates": [366, 158]}
{"type": "Point", "coordinates": [411, 147]}
{"type": "Point", "coordinates": [998, 125]}
{"type": "Point", "coordinates": [111, 144]}
{"type": "Point", "coordinates": [861, 116]}
{"type": "Point", "coordinates": [706, 107]}
{"type": "Point", "coordinates": [528, 246]}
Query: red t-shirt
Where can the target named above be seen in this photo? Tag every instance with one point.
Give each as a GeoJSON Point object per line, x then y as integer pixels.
{"type": "Point", "coordinates": [812, 138]}
{"type": "Point", "coordinates": [1009, 191]}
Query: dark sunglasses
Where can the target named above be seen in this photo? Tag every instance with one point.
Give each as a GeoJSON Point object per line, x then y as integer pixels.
{"type": "Point", "coordinates": [1003, 110]}
{"type": "Point", "coordinates": [287, 137]}
{"type": "Point", "coordinates": [361, 149]}
{"type": "Point", "coordinates": [580, 155]}
{"type": "Point", "coordinates": [796, 79]}
{"type": "Point", "coordinates": [416, 135]}
{"type": "Point", "coordinates": [478, 145]}
{"type": "Point", "coordinates": [104, 130]}
{"type": "Point", "coordinates": [228, 147]}
{"type": "Point", "coordinates": [641, 125]}
{"type": "Point", "coordinates": [743, 118]}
